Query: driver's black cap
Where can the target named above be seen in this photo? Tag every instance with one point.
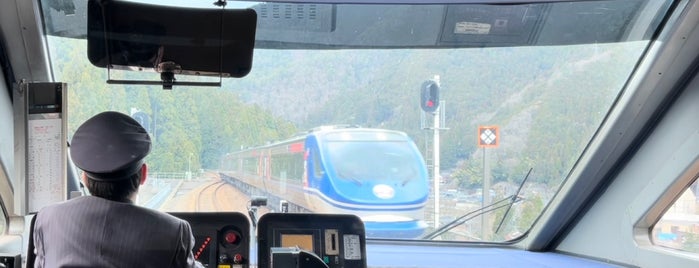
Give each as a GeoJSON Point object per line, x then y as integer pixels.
{"type": "Point", "coordinates": [110, 146]}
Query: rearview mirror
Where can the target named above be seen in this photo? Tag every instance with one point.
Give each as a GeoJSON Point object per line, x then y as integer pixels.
{"type": "Point", "coordinates": [170, 40]}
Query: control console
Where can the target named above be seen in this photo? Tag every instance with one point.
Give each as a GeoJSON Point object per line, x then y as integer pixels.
{"type": "Point", "coordinates": [298, 240]}
{"type": "Point", "coordinates": [222, 239]}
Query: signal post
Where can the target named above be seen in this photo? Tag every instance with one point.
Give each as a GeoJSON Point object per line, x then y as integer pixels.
{"type": "Point", "coordinates": [429, 102]}
{"type": "Point", "coordinates": [488, 137]}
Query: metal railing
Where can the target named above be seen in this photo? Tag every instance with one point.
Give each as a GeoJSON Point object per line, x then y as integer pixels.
{"type": "Point", "coordinates": [171, 175]}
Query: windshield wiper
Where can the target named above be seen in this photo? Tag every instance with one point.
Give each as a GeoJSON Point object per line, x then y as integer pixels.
{"type": "Point", "coordinates": [475, 213]}
{"type": "Point", "coordinates": [356, 181]}
{"type": "Point", "coordinates": [513, 201]}
{"type": "Point", "coordinates": [470, 215]}
{"type": "Point", "coordinates": [343, 175]}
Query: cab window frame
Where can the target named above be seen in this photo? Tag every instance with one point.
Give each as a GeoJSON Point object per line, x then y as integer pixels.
{"type": "Point", "coordinates": [644, 228]}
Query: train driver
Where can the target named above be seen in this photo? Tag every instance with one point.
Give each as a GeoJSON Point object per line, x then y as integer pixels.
{"type": "Point", "coordinates": [106, 229]}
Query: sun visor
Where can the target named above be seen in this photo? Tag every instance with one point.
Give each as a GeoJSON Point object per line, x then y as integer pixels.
{"type": "Point", "coordinates": [171, 40]}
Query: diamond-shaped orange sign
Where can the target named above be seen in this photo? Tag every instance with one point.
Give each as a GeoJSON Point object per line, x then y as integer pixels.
{"type": "Point", "coordinates": [488, 136]}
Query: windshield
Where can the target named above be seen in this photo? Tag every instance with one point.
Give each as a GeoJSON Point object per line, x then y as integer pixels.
{"type": "Point", "coordinates": [379, 159]}
{"type": "Point", "coordinates": [372, 160]}
{"type": "Point", "coordinates": [520, 88]}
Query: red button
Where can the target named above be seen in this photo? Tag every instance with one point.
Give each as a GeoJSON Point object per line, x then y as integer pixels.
{"type": "Point", "coordinates": [237, 259]}
{"type": "Point", "coordinates": [231, 237]}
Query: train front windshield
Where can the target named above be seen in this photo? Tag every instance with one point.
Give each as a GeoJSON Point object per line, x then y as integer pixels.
{"type": "Point", "coordinates": [520, 87]}
{"type": "Point", "coordinates": [360, 161]}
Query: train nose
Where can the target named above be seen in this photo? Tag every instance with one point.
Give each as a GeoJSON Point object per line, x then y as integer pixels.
{"type": "Point", "coordinates": [393, 226]}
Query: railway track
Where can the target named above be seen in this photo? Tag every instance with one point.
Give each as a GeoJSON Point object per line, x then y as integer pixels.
{"type": "Point", "coordinates": [208, 194]}
{"type": "Point", "coordinates": [207, 198]}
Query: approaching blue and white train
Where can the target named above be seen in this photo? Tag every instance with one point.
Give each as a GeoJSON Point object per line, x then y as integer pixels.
{"type": "Point", "coordinates": [376, 174]}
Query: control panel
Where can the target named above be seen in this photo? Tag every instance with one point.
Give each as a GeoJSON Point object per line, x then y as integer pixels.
{"type": "Point", "coordinates": [222, 239]}
{"type": "Point", "coordinates": [286, 240]}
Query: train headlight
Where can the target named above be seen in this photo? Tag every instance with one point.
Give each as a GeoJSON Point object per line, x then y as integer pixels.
{"type": "Point", "coordinates": [384, 191]}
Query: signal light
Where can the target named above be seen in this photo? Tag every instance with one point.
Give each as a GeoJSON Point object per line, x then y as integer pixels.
{"type": "Point", "coordinates": [429, 96]}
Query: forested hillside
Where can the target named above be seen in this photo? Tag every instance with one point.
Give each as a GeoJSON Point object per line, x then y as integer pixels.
{"type": "Point", "coordinates": [535, 96]}
{"type": "Point", "coordinates": [547, 102]}
{"type": "Point", "coordinates": [190, 127]}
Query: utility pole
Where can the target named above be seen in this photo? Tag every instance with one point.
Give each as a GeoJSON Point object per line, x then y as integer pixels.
{"type": "Point", "coordinates": [189, 167]}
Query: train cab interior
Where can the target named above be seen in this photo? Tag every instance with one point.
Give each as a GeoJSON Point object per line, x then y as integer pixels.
{"type": "Point", "coordinates": [357, 133]}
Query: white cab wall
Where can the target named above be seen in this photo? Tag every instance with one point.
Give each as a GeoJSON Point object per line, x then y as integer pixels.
{"type": "Point", "coordinates": [670, 152]}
